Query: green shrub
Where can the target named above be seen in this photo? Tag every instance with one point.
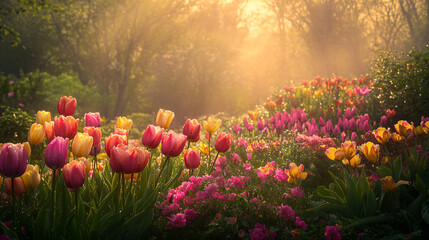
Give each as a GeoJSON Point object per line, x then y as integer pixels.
{"type": "Point", "coordinates": [15, 125]}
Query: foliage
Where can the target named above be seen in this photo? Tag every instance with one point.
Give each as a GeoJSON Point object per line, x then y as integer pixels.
{"type": "Point", "coordinates": [15, 124]}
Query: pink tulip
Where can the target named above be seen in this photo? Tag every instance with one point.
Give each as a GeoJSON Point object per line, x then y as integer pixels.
{"type": "Point", "coordinates": [56, 153]}
{"type": "Point", "coordinates": [95, 133]}
{"type": "Point", "coordinates": [92, 119]}
{"type": "Point", "coordinates": [128, 160]}
{"type": "Point", "coordinates": [192, 130]}
{"type": "Point", "coordinates": [112, 141]}
{"type": "Point", "coordinates": [13, 160]}
{"type": "Point", "coordinates": [152, 136]}
{"type": "Point", "coordinates": [173, 144]}
{"type": "Point", "coordinates": [223, 142]}
{"type": "Point", "coordinates": [192, 159]}
{"type": "Point", "coordinates": [66, 106]}
{"type": "Point", "coordinates": [74, 175]}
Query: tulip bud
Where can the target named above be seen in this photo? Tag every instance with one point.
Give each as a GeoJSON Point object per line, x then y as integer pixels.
{"type": "Point", "coordinates": [74, 175]}
{"type": "Point", "coordinates": [56, 153]}
{"type": "Point", "coordinates": [31, 177]}
{"type": "Point", "coordinates": [36, 134]}
{"type": "Point", "coordinates": [82, 144]}
{"type": "Point", "coordinates": [390, 113]}
{"type": "Point", "coordinates": [42, 117]}
{"type": "Point", "coordinates": [92, 119]}
{"type": "Point", "coordinates": [19, 187]}
{"type": "Point", "coordinates": [152, 136]}
{"type": "Point", "coordinates": [13, 160]}
{"type": "Point", "coordinates": [223, 142]}
{"type": "Point", "coordinates": [164, 118]}
{"type": "Point", "coordinates": [403, 128]}
{"type": "Point", "coordinates": [418, 130]}
{"type": "Point", "coordinates": [124, 123]}
{"type": "Point", "coordinates": [371, 151]}
{"type": "Point", "coordinates": [128, 160]}
{"type": "Point", "coordinates": [192, 159]}
{"type": "Point", "coordinates": [173, 144]}
{"type": "Point", "coordinates": [212, 125]}
{"type": "Point", "coordinates": [396, 137]}
{"type": "Point", "coordinates": [349, 149]}
{"type": "Point", "coordinates": [95, 133]}
{"type": "Point", "coordinates": [192, 130]}
{"type": "Point", "coordinates": [49, 131]}
{"type": "Point", "coordinates": [382, 135]}
{"type": "Point", "coordinates": [112, 141]}
{"type": "Point", "coordinates": [66, 106]}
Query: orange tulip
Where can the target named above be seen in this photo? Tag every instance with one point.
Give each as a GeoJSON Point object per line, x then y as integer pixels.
{"type": "Point", "coordinates": [371, 151]}
{"type": "Point", "coordinates": [82, 144]}
{"type": "Point", "coordinates": [49, 131]}
{"type": "Point", "coordinates": [336, 154]}
{"type": "Point", "coordinates": [390, 185]}
{"type": "Point", "coordinates": [19, 187]}
{"type": "Point", "coordinates": [36, 134]}
{"type": "Point", "coordinates": [349, 149]}
{"type": "Point", "coordinates": [396, 137]}
{"type": "Point", "coordinates": [294, 172]}
{"type": "Point", "coordinates": [164, 118]}
{"type": "Point", "coordinates": [27, 148]}
{"type": "Point", "coordinates": [382, 135]}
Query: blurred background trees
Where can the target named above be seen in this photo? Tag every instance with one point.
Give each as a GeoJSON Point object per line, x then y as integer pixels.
{"type": "Point", "coordinates": [193, 57]}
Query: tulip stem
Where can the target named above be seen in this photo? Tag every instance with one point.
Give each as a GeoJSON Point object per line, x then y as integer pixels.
{"type": "Point", "coordinates": [76, 194]}
{"type": "Point", "coordinates": [123, 191]}
{"type": "Point", "coordinates": [162, 168]}
{"type": "Point", "coordinates": [53, 200]}
{"type": "Point", "coordinates": [95, 161]}
{"type": "Point", "coordinates": [13, 200]}
{"type": "Point", "coordinates": [131, 182]}
{"type": "Point", "coordinates": [208, 162]}
{"type": "Point", "coordinates": [189, 143]}
{"type": "Point", "coordinates": [214, 162]}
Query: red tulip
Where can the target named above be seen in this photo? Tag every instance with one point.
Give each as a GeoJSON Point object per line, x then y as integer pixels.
{"type": "Point", "coordinates": [152, 136]}
{"type": "Point", "coordinates": [192, 130]}
{"type": "Point", "coordinates": [128, 160]}
{"type": "Point", "coordinates": [173, 144]}
{"type": "Point", "coordinates": [92, 119]}
{"type": "Point", "coordinates": [73, 123]}
{"type": "Point", "coordinates": [13, 160]}
{"type": "Point", "coordinates": [66, 106]}
{"type": "Point", "coordinates": [192, 159]}
{"type": "Point", "coordinates": [49, 131]}
{"type": "Point", "coordinates": [223, 142]}
{"type": "Point", "coordinates": [74, 175]}
{"type": "Point", "coordinates": [56, 153]}
{"type": "Point", "coordinates": [390, 113]}
{"type": "Point", "coordinates": [95, 133]}
{"type": "Point", "coordinates": [61, 126]}
{"type": "Point", "coordinates": [112, 141]}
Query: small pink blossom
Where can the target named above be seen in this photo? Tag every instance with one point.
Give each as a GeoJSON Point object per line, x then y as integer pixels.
{"type": "Point", "coordinates": [297, 192]}
{"type": "Point", "coordinates": [176, 221]}
{"type": "Point", "coordinates": [191, 215]}
{"type": "Point", "coordinates": [300, 224]}
{"type": "Point", "coordinates": [10, 95]}
{"type": "Point", "coordinates": [286, 212]}
{"type": "Point", "coordinates": [331, 233]}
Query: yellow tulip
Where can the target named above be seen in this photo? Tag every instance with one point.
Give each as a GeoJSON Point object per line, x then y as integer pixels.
{"type": "Point", "coordinates": [82, 144]}
{"type": "Point", "coordinates": [36, 134]}
{"type": "Point", "coordinates": [403, 128]}
{"type": "Point", "coordinates": [86, 163]}
{"type": "Point", "coordinates": [336, 154]}
{"type": "Point", "coordinates": [164, 118]}
{"type": "Point", "coordinates": [425, 127]}
{"type": "Point", "coordinates": [390, 185]}
{"type": "Point", "coordinates": [382, 135]}
{"type": "Point", "coordinates": [42, 117]}
{"type": "Point", "coordinates": [349, 149]}
{"type": "Point", "coordinates": [294, 172]}
{"type": "Point", "coordinates": [27, 148]}
{"type": "Point", "coordinates": [371, 151]}
{"type": "Point", "coordinates": [212, 125]}
{"type": "Point", "coordinates": [418, 131]}
{"type": "Point", "coordinates": [31, 177]}
{"type": "Point", "coordinates": [124, 123]}
{"type": "Point", "coordinates": [396, 137]}
{"type": "Point", "coordinates": [355, 161]}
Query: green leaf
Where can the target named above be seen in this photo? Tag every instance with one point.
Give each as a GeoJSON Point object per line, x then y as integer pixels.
{"type": "Point", "coordinates": [371, 220]}
{"type": "Point", "coordinates": [419, 184]}
{"type": "Point", "coordinates": [371, 204]}
{"type": "Point", "coordinates": [397, 168]}
{"type": "Point", "coordinates": [8, 231]}
{"type": "Point", "coordinates": [425, 212]}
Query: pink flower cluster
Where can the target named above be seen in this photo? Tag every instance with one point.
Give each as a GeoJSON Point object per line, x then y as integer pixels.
{"type": "Point", "coordinates": [261, 232]}
{"type": "Point", "coordinates": [315, 143]}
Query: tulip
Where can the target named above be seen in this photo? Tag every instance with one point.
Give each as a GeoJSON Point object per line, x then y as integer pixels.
{"type": "Point", "coordinates": [403, 128]}
{"type": "Point", "coordinates": [382, 135]}
{"type": "Point", "coordinates": [66, 106]}
{"type": "Point", "coordinates": [128, 160]}
{"type": "Point", "coordinates": [390, 113]}
{"type": "Point", "coordinates": [49, 131]}
{"type": "Point", "coordinates": [121, 131]}
{"type": "Point", "coordinates": [56, 153]}
{"type": "Point", "coordinates": [294, 172]}
{"type": "Point", "coordinates": [173, 144]}
{"type": "Point", "coordinates": [371, 151]}
{"type": "Point", "coordinates": [36, 134]}
{"type": "Point", "coordinates": [82, 144]}
{"type": "Point", "coordinates": [112, 141]}
{"type": "Point", "coordinates": [418, 130]}
{"type": "Point", "coordinates": [349, 149]}
{"type": "Point", "coordinates": [18, 188]}
{"type": "Point", "coordinates": [124, 123]}
{"type": "Point", "coordinates": [86, 163]}
{"type": "Point", "coordinates": [152, 136]}
{"type": "Point", "coordinates": [192, 159]}
{"type": "Point", "coordinates": [27, 149]}
{"type": "Point", "coordinates": [31, 177]}
{"type": "Point", "coordinates": [355, 161]}
{"type": "Point", "coordinates": [13, 160]}
{"type": "Point", "coordinates": [223, 142]}
{"type": "Point", "coordinates": [390, 185]}
{"type": "Point", "coordinates": [61, 126]}
{"type": "Point", "coordinates": [336, 154]}
{"type": "Point", "coordinates": [212, 125]}
{"type": "Point", "coordinates": [73, 123]}
{"type": "Point", "coordinates": [92, 119]}
{"type": "Point", "coordinates": [164, 118]}
{"type": "Point", "coordinates": [192, 130]}
{"type": "Point", "coordinates": [95, 150]}
{"type": "Point", "coordinates": [74, 175]}
{"type": "Point", "coordinates": [396, 137]}
{"type": "Point", "coordinates": [42, 117]}
{"type": "Point", "coordinates": [95, 133]}
{"type": "Point", "coordinates": [425, 126]}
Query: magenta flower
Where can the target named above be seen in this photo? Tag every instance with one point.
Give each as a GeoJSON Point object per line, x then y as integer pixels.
{"type": "Point", "coordinates": [11, 82]}
{"type": "Point", "coordinates": [10, 95]}
{"type": "Point", "coordinates": [331, 233]}
{"type": "Point", "coordinates": [286, 212]}
{"type": "Point", "coordinates": [176, 221]}
{"type": "Point", "coordinates": [300, 224]}
{"type": "Point", "coordinates": [363, 91]}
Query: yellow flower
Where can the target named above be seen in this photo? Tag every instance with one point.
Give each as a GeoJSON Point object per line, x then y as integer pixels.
{"type": "Point", "coordinates": [318, 93]}
{"type": "Point", "coordinates": [418, 131]}
{"type": "Point", "coordinates": [124, 123]}
{"type": "Point", "coordinates": [266, 169]}
{"type": "Point", "coordinates": [81, 145]}
{"type": "Point", "coordinates": [212, 125]}
{"type": "Point", "coordinates": [164, 118]}
{"type": "Point", "coordinates": [254, 114]}
{"type": "Point", "coordinates": [31, 177]}
{"type": "Point", "coordinates": [305, 91]}
{"type": "Point", "coordinates": [382, 135]}
{"type": "Point", "coordinates": [425, 127]}
{"type": "Point", "coordinates": [36, 134]}
{"type": "Point", "coordinates": [336, 154]}
{"type": "Point", "coordinates": [385, 159]}
{"type": "Point", "coordinates": [403, 128]}
{"type": "Point", "coordinates": [371, 151]}
{"type": "Point", "coordinates": [295, 173]}
{"type": "Point", "coordinates": [355, 161]}
{"type": "Point", "coordinates": [87, 164]}
{"type": "Point", "coordinates": [42, 117]}
{"type": "Point", "coordinates": [390, 185]}
{"type": "Point", "coordinates": [27, 148]}
{"type": "Point", "coordinates": [396, 137]}
{"type": "Point", "coordinates": [349, 149]}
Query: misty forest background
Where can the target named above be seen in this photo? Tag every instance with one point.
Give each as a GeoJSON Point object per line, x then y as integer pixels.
{"type": "Point", "coordinates": [193, 57]}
